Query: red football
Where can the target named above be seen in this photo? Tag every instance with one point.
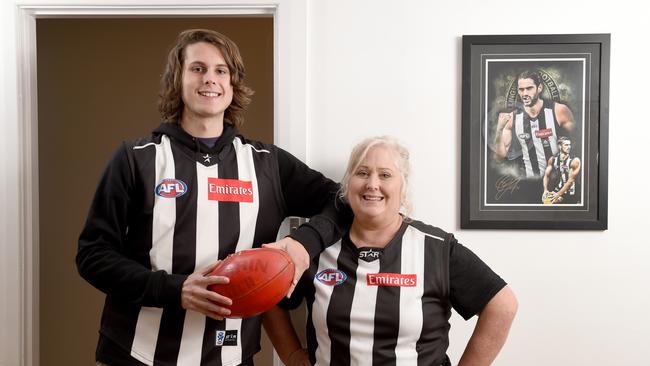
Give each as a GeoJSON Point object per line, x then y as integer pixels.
{"type": "Point", "coordinates": [259, 279]}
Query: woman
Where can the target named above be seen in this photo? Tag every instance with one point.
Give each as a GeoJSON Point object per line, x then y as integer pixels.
{"type": "Point", "coordinates": [383, 294]}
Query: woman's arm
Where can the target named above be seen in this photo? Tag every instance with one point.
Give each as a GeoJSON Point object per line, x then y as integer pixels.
{"type": "Point", "coordinates": [279, 328]}
{"type": "Point", "coordinates": [491, 329]}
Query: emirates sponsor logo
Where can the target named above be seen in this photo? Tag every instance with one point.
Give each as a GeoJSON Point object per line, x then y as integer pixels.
{"type": "Point", "coordinates": [230, 190]}
{"type": "Point", "coordinates": [391, 279]}
{"type": "Point", "coordinates": [545, 133]}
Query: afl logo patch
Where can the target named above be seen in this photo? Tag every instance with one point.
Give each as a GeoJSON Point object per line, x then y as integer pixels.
{"type": "Point", "coordinates": [171, 188]}
{"type": "Point", "coordinates": [331, 277]}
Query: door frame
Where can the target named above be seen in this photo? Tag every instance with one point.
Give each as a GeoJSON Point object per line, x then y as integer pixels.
{"type": "Point", "coordinates": [290, 131]}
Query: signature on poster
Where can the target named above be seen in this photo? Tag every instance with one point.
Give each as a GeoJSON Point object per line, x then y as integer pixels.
{"type": "Point", "coordinates": [506, 184]}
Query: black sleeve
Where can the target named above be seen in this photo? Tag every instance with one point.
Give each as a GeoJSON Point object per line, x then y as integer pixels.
{"type": "Point", "coordinates": [101, 258]}
{"type": "Point", "coordinates": [309, 193]}
{"type": "Point", "coordinates": [472, 282]}
{"type": "Point", "coordinates": [296, 298]}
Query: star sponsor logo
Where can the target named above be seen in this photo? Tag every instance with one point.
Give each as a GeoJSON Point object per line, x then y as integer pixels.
{"type": "Point", "coordinates": [230, 190]}
{"type": "Point", "coordinates": [331, 277]}
{"type": "Point", "coordinates": [369, 254]}
{"type": "Point", "coordinates": [171, 188]}
{"type": "Point", "coordinates": [226, 338]}
{"type": "Point", "coordinates": [391, 279]}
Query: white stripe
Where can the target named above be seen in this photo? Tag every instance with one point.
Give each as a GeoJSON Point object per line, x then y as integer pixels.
{"type": "Point", "coordinates": [537, 143]}
{"type": "Point", "coordinates": [247, 225]}
{"type": "Point", "coordinates": [145, 145]}
{"type": "Point", "coordinates": [253, 147]}
{"type": "Point", "coordinates": [146, 335]}
{"type": "Point", "coordinates": [519, 130]}
{"type": "Point", "coordinates": [207, 252]}
{"type": "Point", "coordinates": [207, 218]}
{"type": "Point", "coordinates": [164, 212]}
{"type": "Point", "coordinates": [247, 210]}
{"type": "Point", "coordinates": [192, 339]}
{"type": "Point", "coordinates": [321, 303]}
{"type": "Point", "coordinates": [550, 116]}
{"type": "Point", "coordinates": [362, 315]}
{"type": "Point", "coordinates": [162, 236]}
{"type": "Point", "coordinates": [232, 355]}
{"type": "Point", "coordinates": [410, 299]}
{"type": "Point", "coordinates": [433, 236]}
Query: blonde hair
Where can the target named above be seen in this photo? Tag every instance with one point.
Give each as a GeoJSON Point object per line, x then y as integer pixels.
{"type": "Point", "coordinates": [360, 151]}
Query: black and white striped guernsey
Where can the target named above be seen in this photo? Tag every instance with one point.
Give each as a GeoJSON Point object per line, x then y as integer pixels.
{"type": "Point", "coordinates": [167, 206]}
{"type": "Point", "coordinates": [563, 169]}
{"type": "Point", "coordinates": [391, 306]}
{"type": "Point", "coordinates": [537, 138]}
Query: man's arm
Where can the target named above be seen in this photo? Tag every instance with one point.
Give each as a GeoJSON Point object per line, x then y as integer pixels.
{"type": "Point", "coordinates": [102, 260]}
{"type": "Point", "coordinates": [565, 118]}
{"type": "Point", "coordinates": [573, 174]}
{"type": "Point", "coordinates": [491, 329]}
{"type": "Point", "coordinates": [309, 193]}
{"type": "Point", "coordinates": [503, 136]}
{"type": "Point", "coordinates": [547, 177]}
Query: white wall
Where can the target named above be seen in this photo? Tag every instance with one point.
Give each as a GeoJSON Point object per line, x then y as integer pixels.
{"type": "Point", "coordinates": [10, 204]}
{"type": "Point", "coordinates": [380, 67]}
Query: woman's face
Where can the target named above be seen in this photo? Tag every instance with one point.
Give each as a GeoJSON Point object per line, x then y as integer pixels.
{"type": "Point", "coordinates": [374, 189]}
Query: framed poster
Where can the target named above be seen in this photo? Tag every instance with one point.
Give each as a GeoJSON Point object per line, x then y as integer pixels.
{"type": "Point", "coordinates": [534, 131]}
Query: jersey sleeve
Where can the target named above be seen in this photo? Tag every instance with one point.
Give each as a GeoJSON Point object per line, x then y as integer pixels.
{"type": "Point", "coordinates": [309, 193]}
{"type": "Point", "coordinates": [472, 282]}
{"type": "Point", "coordinates": [296, 298]}
{"type": "Point", "coordinates": [101, 253]}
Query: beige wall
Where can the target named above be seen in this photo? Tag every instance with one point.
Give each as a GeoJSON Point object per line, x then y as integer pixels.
{"type": "Point", "coordinates": [97, 85]}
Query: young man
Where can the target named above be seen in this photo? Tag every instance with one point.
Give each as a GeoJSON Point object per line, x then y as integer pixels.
{"type": "Point", "coordinates": [561, 175]}
{"type": "Point", "coordinates": [532, 131]}
{"type": "Point", "coordinates": [168, 207]}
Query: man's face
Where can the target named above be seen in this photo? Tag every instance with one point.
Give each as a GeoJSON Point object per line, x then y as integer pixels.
{"type": "Point", "coordinates": [565, 147]}
{"type": "Point", "coordinates": [207, 90]}
{"type": "Point", "coordinates": [528, 91]}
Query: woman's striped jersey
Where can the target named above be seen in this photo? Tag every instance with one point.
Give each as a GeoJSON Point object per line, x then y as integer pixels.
{"type": "Point", "coordinates": [390, 306]}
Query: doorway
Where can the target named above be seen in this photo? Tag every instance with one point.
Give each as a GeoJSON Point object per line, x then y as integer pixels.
{"type": "Point", "coordinates": [98, 81]}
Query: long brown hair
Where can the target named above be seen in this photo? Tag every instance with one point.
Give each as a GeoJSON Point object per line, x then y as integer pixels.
{"type": "Point", "coordinates": [170, 101]}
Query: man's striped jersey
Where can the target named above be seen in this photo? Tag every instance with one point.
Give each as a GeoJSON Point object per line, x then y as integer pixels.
{"type": "Point", "coordinates": [168, 206]}
{"type": "Point", "coordinates": [391, 306]}
{"type": "Point", "coordinates": [537, 138]}
{"type": "Point", "coordinates": [563, 168]}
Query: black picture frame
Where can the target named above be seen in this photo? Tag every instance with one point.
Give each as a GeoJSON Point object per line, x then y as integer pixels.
{"type": "Point", "coordinates": [523, 97]}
